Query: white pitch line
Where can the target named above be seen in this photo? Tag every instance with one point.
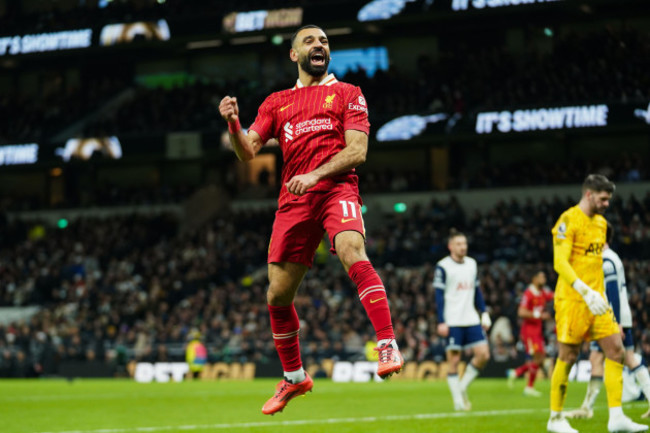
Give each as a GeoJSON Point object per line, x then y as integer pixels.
{"type": "Point", "coordinates": [310, 421]}
{"type": "Point", "coordinates": [420, 416]}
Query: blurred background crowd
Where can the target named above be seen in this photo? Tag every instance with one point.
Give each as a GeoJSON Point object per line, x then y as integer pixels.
{"type": "Point", "coordinates": [138, 285]}
{"type": "Point", "coordinates": [134, 280]}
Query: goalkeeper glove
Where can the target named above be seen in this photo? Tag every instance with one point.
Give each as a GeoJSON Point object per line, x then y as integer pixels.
{"type": "Point", "coordinates": [596, 303]}
{"type": "Point", "coordinates": [486, 322]}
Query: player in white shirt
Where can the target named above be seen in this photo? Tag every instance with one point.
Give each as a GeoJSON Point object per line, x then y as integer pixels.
{"type": "Point", "coordinates": [616, 289]}
{"type": "Point", "coordinates": [462, 318]}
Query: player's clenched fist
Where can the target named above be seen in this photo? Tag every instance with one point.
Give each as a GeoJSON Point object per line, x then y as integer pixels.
{"type": "Point", "coordinates": [229, 109]}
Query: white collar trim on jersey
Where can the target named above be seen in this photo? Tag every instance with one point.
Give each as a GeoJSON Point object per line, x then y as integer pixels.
{"type": "Point", "coordinates": [327, 81]}
{"type": "Point", "coordinates": [534, 289]}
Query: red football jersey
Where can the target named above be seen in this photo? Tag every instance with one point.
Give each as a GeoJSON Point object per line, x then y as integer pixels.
{"type": "Point", "coordinates": [534, 300]}
{"type": "Point", "coordinates": [310, 124]}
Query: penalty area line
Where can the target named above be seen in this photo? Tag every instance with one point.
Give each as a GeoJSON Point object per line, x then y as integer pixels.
{"type": "Point", "coordinates": [224, 426]}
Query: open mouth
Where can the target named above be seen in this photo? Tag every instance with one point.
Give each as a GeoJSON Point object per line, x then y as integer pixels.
{"type": "Point", "coordinates": [317, 58]}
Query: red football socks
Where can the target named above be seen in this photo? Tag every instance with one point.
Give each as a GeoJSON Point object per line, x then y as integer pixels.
{"type": "Point", "coordinates": [373, 297]}
{"type": "Point", "coordinates": [522, 370]}
{"type": "Point", "coordinates": [532, 374]}
{"type": "Point", "coordinates": [285, 327]}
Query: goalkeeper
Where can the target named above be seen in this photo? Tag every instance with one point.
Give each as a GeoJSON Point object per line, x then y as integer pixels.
{"type": "Point", "coordinates": [581, 310]}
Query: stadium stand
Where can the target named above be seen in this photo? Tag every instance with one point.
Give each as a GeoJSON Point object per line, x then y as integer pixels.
{"type": "Point", "coordinates": [132, 287]}
{"type": "Point", "coordinates": [129, 285]}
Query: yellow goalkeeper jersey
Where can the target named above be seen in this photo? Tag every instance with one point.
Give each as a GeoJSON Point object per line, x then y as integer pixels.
{"type": "Point", "coordinates": [578, 242]}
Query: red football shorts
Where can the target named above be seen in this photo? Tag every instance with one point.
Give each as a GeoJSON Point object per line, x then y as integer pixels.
{"type": "Point", "coordinates": [534, 343]}
{"type": "Point", "coordinates": [300, 224]}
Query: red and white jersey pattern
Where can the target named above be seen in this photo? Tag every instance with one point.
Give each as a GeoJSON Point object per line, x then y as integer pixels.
{"type": "Point", "coordinates": [534, 300]}
{"type": "Point", "coordinates": [310, 124]}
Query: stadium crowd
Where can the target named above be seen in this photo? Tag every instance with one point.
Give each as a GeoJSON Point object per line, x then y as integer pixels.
{"type": "Point", "coordinates": [623, 168]}
{"type": "Point", "coordinates": [133, 287]}
{"type": "Point", "coordinates": [449, 84]}
{"type": "Point", "coordinates": [20, 17]}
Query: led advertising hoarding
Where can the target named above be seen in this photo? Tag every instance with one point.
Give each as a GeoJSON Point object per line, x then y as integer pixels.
{"type": "Point", "coordinates": [42, 42]}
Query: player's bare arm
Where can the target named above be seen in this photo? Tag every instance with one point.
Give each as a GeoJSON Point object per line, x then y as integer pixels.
{"type": "Point", "coordinates": [245, 146]}
{"type": "Point", "coordinates": [443, 329]}
{"type": "Point", "coordinates": [525, 313]}
{"type": "Point", "coordinates": [353, 155]}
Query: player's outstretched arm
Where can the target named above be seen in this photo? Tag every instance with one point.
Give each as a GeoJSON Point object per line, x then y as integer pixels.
{"type": "Point", "coordinates": [525, 313]}
{"type": "Point", "coordinates": [245, 146]}
{"type": "Point", "coordinates": [347, 159]}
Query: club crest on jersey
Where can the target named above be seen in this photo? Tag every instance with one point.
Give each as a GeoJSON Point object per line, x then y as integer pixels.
{"type": "Point", "coordinates": [288, 132]}
{"type": "Point", "coordinates": [561, 231]}
{"type": "Point", "coordinates": [329, 99]}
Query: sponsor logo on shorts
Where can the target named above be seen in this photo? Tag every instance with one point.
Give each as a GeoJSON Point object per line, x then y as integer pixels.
{"type": "Point", "coordinates": [347, 220]}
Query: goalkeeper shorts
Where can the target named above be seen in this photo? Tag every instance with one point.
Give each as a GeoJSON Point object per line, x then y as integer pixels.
{"type": "Point", "coordinates": [575, 323]}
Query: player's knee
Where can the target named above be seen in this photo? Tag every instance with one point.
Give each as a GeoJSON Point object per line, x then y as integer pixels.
{"type": "Point", "coordinates": [350, 246]}
{"type": "Point", "coordinates": [570, 357]}
{"type": "Point", "coordinates": [483, 356]}
{"type": "Point", "coordinates": [278, 297]}
{"type": "Point", "coordinates": [617, 353]}
{"type": "Point", "coordinates": [349, 254]}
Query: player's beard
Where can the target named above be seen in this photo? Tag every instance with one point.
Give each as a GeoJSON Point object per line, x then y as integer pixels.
{"type": "Point", "coordinates": [597, 207]}
{"type": "Point", "coordinates": [315, 70]}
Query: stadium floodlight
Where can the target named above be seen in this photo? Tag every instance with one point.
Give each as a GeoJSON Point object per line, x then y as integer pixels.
{"type": "Point", "coordinates": [62, 223]}
{"type": "Point", "coordinates": [407, 127]}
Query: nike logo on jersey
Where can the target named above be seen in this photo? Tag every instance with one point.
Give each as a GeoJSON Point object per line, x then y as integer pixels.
{"type": "Point", "coordinates": [372, 301]}
{"type": "Point", "coordinates": [285, 107]}
{"type": "Point", "coordinates": [346, 220]}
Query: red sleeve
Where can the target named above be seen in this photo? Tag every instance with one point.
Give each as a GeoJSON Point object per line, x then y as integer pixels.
{"type": "Point", "coordinates": [264, 123]}
{"type": "Point", "coordinates": [526, 301]}
{"type": "Point", "coordinates": [549, 295]}
{"type": "Point", "coordinates": [356, 112]}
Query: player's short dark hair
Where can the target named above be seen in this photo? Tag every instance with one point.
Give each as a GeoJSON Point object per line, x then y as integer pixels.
{"type": "Point", "coordinates": [609, 235]}
{"type": "Point", "coordinates": [536, 272]}
{"type": "Point", "coordinates": [307, 26]}
{"type": "Point", "coordinates": [453, 233]}
{"type": "Point", "coordinates": [598, 183]}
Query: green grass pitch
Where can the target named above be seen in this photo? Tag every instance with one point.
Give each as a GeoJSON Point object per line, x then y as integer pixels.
{"type": "Point", "coordinates": [123, 406]}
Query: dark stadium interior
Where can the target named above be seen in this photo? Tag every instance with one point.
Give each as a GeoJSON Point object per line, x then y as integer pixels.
{"type": "Point", "coordinates": [121, 266]}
